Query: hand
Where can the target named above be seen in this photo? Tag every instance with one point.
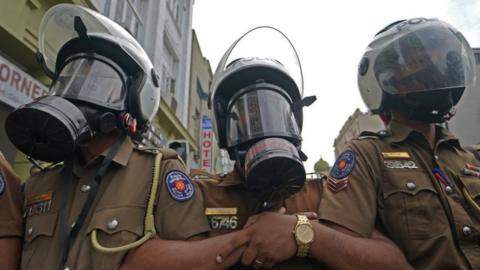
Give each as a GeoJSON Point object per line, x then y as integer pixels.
{"type": "Point", "coordinates": [269, 237]}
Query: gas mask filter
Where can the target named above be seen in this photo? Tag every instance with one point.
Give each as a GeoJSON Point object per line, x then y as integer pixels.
{"type": "Point", "coordinates": [48, 129]}
{"type": "Point", "coordinates": [273, 170]}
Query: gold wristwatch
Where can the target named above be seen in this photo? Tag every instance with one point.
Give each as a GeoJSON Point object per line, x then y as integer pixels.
{"type": "Point", "coordinates": [303, 232]}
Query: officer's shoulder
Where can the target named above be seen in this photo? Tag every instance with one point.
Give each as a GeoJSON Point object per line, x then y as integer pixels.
{"type": "Point", "coordinates": [166, 153]}
{"type": "Point", "coordinates": [373, 135]}
{"type": "Point", "coordinates": [204, 176]}
{"type": "Point", "coordinates": [316, 177]}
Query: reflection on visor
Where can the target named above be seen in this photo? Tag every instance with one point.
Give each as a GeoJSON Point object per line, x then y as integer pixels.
{"type": "Point", "coordinates": [91, 81]}
{"type": "Point", "coordinates": [432, 58]}
{"type": "Point", "coordinates": [259, 114]}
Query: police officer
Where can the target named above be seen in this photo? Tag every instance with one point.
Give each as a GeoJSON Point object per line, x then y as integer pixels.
{"type": "Point", "coordinates": [257, 103]}
{"type": "Point", "coordinates": [111, 194]}
{"type": "Point", "coordinates": [11, 221]}
{"type": "Point", "coordinates": [413, 181]}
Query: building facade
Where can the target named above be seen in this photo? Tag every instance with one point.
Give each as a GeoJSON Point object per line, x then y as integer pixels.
{"type": "Point", "coordinates": [208, 157]}
{"type": "Point", "coordinates": [356, 124]}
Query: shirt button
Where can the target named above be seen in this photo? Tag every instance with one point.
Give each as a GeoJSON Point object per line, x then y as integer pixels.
{"type": "Point", "coordinates": [73, 224]}
{"type": "Point", "coordinates": [411, 185]}
{"type": "Point", "coordinates": [436, 157]}
{"type": "Point", "coordinates": [449, 189]}
{"type": "Point", "coordinates": [85, 188]}
{"type": "Point", "coordinates": [112, 225]}
{"type": "Point", "coordinates": [466, 230]}
{"type": "Point", "coordinates": [66, 268]}
{"type": "Point", "coordinates": [30, 231]}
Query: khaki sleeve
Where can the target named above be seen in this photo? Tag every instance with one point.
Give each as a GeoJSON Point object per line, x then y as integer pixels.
{"type": "Point", "coordinates": [11, 202]}
{"type": "Point", "coordinates": [355, 206]}
{"type": "Point", "coordinates": [179, 214]}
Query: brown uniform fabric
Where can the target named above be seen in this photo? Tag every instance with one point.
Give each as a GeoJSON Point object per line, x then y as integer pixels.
{"type": "Point", "coordinates": [228, 191]}
{"type": "Point", "coordinates": [11, 199]}
{"type": "Point", "coordinates": [122, 196]}
{"type": "Point", "coordinates": [410, 205]}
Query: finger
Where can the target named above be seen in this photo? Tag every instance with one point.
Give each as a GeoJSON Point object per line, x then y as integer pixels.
{"type": "Point", "coordinates": [310, 215]}
{"type": "Point", "coordinates": [233, 258]}
{"type": "Point", "coordinates": [249, 255]}
{"type": "Point", "coordinates": [282, 210]}
{"type": "Point", "coordinates": [251, 220]}
{"type": "Point", "coordinates": [238, 239]}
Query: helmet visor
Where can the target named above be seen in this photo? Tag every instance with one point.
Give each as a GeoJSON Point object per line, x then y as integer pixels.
{"type": "Point", "coordinates": [259, 114]}
{"type": "Point", "coordinates": [431, 58]}
{"type": "Point", "coordinates": [91, 81]}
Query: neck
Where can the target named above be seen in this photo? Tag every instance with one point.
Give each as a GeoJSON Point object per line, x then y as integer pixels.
{"type": "Point", "coordinates": [426, 129]}
{"type": "Point", "coordinates": [98, 144]}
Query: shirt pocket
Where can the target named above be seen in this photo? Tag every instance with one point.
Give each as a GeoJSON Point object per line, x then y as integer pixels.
{"type": "Point", "coordinates": [115, 227]}
{"type": "Point", "coordinates": [39, 230]}
{"type": "Point", "coordinates": [472, 186]}
{"type": "Point", "coordinates": [412, 208]}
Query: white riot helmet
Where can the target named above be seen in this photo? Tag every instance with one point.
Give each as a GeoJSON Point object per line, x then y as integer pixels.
{"type": "Point", "coordinates": [419, 67]}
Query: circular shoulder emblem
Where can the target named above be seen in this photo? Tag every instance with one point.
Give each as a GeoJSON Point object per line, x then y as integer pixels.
{"type": "Point", "coordinates": [179, 186]}
{"type": "Point", "coordinates": [3, 184]}
{"type": "Point", "coordinates": [343, 165]}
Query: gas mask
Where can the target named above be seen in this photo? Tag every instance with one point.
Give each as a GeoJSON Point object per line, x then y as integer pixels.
{"type": "Point", "coordinates": [257, 103]}
{"type": "Point", "coordinates": [263, 138]}
{"type": "Point", "coordinates": [87, 97]}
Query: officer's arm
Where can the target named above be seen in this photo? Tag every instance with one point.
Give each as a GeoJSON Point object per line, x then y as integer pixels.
{"type": "Point", "coordinates": [173, 255]}
{"type": "Point", "coordinates": [340, 248]}
{"type": "Point", "coordinates": [10, 253]}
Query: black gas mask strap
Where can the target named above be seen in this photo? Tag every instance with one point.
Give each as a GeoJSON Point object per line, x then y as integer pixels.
{"type": "Point", "coordinates": [75, 229]}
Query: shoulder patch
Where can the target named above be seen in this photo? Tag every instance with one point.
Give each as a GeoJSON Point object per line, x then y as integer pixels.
{"type": "Point", "coordinates": [3, 183]}
{"type": "Point", "coordinates": [344, 165]}
{"type": "Point", "coordinates": [179, 186]}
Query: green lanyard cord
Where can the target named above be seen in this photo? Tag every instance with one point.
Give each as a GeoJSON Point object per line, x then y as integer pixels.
{"type": "Point", "coordinates": [149, 229]}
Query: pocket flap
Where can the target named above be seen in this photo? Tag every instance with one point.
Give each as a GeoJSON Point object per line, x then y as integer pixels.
{"type": "Point", "coordinates": [406, 182]}
{"type": "Point", "coordinates": [113, 220]}
{"type": "Point", "coordinates": [42, 224]}
{"type": "Point", "coordinates": [472, 184]}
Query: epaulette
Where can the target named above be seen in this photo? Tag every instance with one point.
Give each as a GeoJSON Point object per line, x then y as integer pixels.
{"type": "Point", "coordinates": [374, 135]}
{"type": "Point", "coordinates": [146, 148]}
{"type": "Point", "coordinates": [44, 167]}
{"type": "Point", "coordinates": [317, 176]}
{"type": "Point", "coordinates": [199, 174]}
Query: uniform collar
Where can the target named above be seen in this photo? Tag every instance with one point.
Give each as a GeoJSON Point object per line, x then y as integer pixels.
{"type": "Point", "coordinates": [121, 158]}
{"type": "Point", "coordinates": [399, 132]}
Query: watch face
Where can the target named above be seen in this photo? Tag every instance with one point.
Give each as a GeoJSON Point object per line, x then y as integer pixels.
{"type": "Point", "coordinates": [304, 233]}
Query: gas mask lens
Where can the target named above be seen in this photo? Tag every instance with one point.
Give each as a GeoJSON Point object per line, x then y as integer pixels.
{"type": "Point", "coordinates": [91, 81]}
{"type": "Point", "coordinates": [259, 114]}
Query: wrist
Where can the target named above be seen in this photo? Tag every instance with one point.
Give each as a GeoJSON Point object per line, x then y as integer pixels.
{"type": "Point", "coordinates": [304, 234]}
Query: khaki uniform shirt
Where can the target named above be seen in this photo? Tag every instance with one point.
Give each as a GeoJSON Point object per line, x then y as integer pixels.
{"type": "Point", "coordinates": [228, 207]}
{"type": "Point", "coordinates": [117, 212]}
{"type": "Point", "coordinates": [11, 199]}
{"type": "Point", "coordinates": [392, 187]}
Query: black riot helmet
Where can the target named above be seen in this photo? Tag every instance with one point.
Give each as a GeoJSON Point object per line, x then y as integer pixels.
{"type": "Point", "coordinates": [418, 67]}
{"type": "Point", "coordinates": [102, 80]}
{"type": "Point", "coordinates": [244, 79]}
{"type": "Point", "coordinates": [256, 97]}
